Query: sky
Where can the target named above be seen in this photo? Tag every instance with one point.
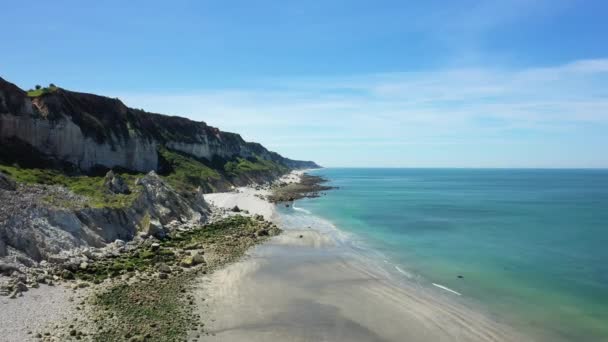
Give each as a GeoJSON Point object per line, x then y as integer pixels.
{"type": "Point", "coordinates": [469, 83]}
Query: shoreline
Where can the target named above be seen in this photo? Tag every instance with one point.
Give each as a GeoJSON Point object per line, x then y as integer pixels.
{"type": "Point", "coordinates": [305, 285]}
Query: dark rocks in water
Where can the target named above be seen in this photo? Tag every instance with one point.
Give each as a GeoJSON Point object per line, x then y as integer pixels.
{"type": "Point", "coordinates": [460, 277]}
{"type": "Point", "coordinates": [236, 209]}
{"type": "Point", "coordinates": [286, 205]}
{"type": "Point", "coordinates": [6, 183]}
{"type": "Point", "coordinates": [115, 183]}
{"type": "Point", "coordinates": [262, 232]}
{"type": "Point", "coordinates": [301, 236]}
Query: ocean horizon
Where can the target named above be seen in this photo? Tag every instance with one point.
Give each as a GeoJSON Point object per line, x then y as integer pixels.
{"type": "Point", "coordinates": [523, 245]}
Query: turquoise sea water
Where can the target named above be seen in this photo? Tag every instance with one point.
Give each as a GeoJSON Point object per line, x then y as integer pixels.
{"type": "Point", "coordinates": [531, 245]}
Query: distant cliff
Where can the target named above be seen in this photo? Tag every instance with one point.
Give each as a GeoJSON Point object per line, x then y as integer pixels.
{"type": "Point", "coordinates": [90, 131]}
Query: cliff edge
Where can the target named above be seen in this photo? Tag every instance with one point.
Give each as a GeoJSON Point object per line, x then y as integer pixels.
{"type": "Point", "coordinates": [89, 131]}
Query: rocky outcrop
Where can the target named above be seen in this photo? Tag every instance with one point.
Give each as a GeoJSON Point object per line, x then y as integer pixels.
{"type": "Point", "coordinates": [6, 183]}
{"type": "Point", "coordinates": [115, 183]}
{"type": "Point", "coordinates": [32, 230]}
{"type": "Point", "coordinates": [88, 130]}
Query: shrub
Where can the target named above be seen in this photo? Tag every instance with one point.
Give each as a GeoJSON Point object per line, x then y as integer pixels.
{"type": "Point", "coordinates": [38, 86]}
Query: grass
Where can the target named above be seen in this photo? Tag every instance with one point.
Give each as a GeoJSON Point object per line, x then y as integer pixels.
{"type": "Point", "coordinates": [187, 174]}
{"type": "Point", "coordinates": [90, 187]}
{"type": "Point", "coordinates": [182, 172]}
{"type": "Point", "coordinates": [41, 91]}
{"type": "Point", "coordinates": [243, 166]}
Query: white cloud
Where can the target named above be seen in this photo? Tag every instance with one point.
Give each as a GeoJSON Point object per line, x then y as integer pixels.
{"type": "Point", "coordinates": [425, 108]}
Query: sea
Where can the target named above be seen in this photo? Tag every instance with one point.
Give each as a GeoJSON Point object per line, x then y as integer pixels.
{"type": "Point", "coordinates": [529, 246]}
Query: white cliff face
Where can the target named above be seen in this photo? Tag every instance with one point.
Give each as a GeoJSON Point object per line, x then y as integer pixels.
{"type": "Point", "coordinates": [64, 140]}
{"type": "Point", "coordinates": [33, 230]}
{"type": "Point", "coordinates": [89, 130]}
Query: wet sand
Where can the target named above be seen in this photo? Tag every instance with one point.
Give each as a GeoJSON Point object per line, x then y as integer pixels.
{"type": "Point", "coordinates": [312, 288]}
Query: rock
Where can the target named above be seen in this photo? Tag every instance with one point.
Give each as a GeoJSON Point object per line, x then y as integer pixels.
{"type": "Point", "coordinates": [194, 245]}
{"type": "Point", "coordinates": [137, 338]}
{"type": "Point", "coordinates": [187, 262]}
{"type": "Point", "coordinates": [8, 269]}
{"type": "Point", "coordinates": [21, 287]}
{"type": "Point", "coordinates": [119, 243]}
{"type": "Point", "coordinates": [236, 209]}
{"type": "Point", "coordinates": [115, 183]}
{"type": "Point", "coordinates": [7, 183]}
{"type": "Point", "coordinates": [163, 268]}
{"type": "Point", "coordinates": [155, 246]}
{"type": "Point", "coordinates": [84, 265]}
{"type": "Point", "coordinates": [163, 276]}
{"type": "Point", "coordinates": [262, 232]}
{"type": "Point", "coordinates": [193, 260]}
{"type": "Point", "coordinates": [66, 274]}
{"type": "Point", "coordinates": [156, 229]}
{"type": "Point", "coordinates": [461, 277]}
{"type": "Point", "coordinates": [198, 259]}
{"type": "Point", "coordinates": [301, 236]}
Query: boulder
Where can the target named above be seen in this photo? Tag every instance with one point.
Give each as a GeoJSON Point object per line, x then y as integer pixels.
{"type": "Point", "coordinates": [193, 260]}
{"type": "Point", "coordinates": [163, 268]}
{"type": "Point", "coordinates": [262, 232]}
{"type": "Point", "coordinates": [8, 269]}
{"type": "Point", "coordinates": [21, 287]}
{"type": "Point", "coordinates": [6, 183]}
{"type": "Point", "coordinates": [115, 183]}
{"type": "Point", "coordinates": [198, 259]}
{"type": "Point", "coordinates": [156, 229]}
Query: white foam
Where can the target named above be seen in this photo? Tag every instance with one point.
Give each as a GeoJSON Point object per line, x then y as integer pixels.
{"type": "Point", "coordinates": [405, 273]}
{"type": "Point", "coordinates": [301, 210]}
{"type": "Point", "coordinates": [447, 289]}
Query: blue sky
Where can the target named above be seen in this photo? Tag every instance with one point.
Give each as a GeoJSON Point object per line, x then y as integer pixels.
{"type": "Point", "coordinates": [346, 83]}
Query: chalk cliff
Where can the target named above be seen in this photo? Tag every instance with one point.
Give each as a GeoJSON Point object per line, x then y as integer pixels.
{"type": "Point", "coordinates": [91, 131]}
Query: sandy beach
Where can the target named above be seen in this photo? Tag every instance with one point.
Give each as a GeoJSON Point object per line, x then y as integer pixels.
{"type": "Point", "coordinates": [305, 286]}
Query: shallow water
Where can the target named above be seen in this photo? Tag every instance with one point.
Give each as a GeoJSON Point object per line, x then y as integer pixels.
{"type": "Point", "coordinates": [527, 245]}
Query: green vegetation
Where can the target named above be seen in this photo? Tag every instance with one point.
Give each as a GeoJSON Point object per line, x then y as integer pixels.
{"type": "Point", "coordinates": [148, 311]}
{"type": "Point", "coordinates": [155, 309]}
{"type": "Point", "coordinates": [309, 186]}
{"type": "Point", "coordinates": [244, 166]}
{"type": "Point", "coordinates": [90, 187]}
{"type": "Point", "coordinates": [145, 258]}
{"type": "Point", "coordinates": [186, 174]}
{"type": "Point", "coordinates": [42, 91]}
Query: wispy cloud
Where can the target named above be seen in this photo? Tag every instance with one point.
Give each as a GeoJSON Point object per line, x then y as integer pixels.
{"type": "Point", "coordinates": [460, 106]}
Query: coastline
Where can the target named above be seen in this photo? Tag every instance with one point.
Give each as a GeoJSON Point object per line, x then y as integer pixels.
{"type": "Point", "coordinates": [306, 285]}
